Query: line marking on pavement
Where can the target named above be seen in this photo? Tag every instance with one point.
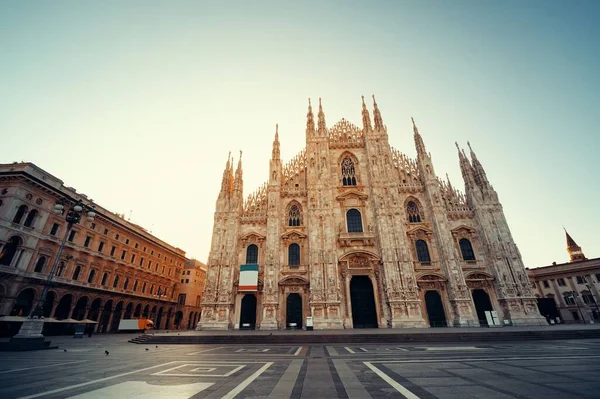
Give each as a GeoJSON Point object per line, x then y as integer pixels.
{"type": "Point", "coordinates": [235, 391]}
{"type": "Point", "coordinates": [398, 387]}
{"type": "Point", "coordinates": [354, 389]}
{"type": "Point", "coordinates": [167, 374]}
{"type": "Point", "coordinates": [402, 349]}
{"type": "Point", "coordinates": [349, 350]}
{"type": "Point", "coordinates": [37, 367]}
{"type": "Point", "coordinates": [204, 351]}
{"type": "Point", "coordinates": [83, 384]}
{"type": "Point", "coordinates": [286, 383]}
{"type": "Point", "coordinates": [298, 351]}
{"type": "Point", "coordinates": [332, 351]}
{"type": "Point", "coordinates": [142, 389]}
{"type": "Point", "coordinates": [363, 349]}
{"type": "Point", "coordinates": [448, 348]}
{"type": "Point", "coordinates": [480, 359]}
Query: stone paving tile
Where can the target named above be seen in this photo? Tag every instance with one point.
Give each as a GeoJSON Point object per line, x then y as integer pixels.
{"type": "Point", "coordinates": [584, 389]}
{"type": "Point", "coordinates": [470, 391]}
{"type": "Point", "coordinates": [439, 381]}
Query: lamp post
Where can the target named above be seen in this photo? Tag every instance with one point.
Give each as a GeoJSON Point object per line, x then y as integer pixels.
{"type": "Point", "coordinates": [574, 295]}
{"type": "Point", "coordinates": [30, 335]}
{"type": "Point", "coordinates": [593, 298]}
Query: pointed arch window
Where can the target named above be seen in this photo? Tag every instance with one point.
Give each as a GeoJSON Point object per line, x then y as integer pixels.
{"type": "Point", "coordinates": [91, 276]}
{"type": "Point", "coordinates": [30, 218]}
{"type": "Point", "coordinates": [126, 283]}
{"type": "Point", "coordinates": [76, 273]}
{"type": "Point", "coordinates": [252, 254]}
{"type": "Point", "coordinates": [104, 278]}
{"type": "Point", "coordinates": [422, 251]}
{"type": "Point", "coordinates": [20, 213]}
{"type": "Point", "coordinates": [348, 172]}
{"type": "Point", "coordinates": [294, 216]}
{"type": "Point", "coordinates": [354, 221]}
{"type": "Point", "coordinates": [413, 212]}
{"type": "Point", "coordinates": [116, 282]}
{"type": "Point", "coordinates": [135, 284]}
{"type": "Point", "coordinates": [294, 254]}
{"type": "Point", "coordinates": [9, 250]}
{"type": "Point", "coordinates": [466, 249]}
{"type": "Point", "coordinates": [39, 266]}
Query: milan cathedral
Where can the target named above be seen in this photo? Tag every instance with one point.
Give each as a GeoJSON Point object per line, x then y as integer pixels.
{"type": "Point", "coordinates": [355, 234]}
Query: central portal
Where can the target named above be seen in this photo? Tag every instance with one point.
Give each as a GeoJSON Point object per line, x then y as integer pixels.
{"type": "Point", "coordinates": [248, 312]}
{"type": "Point", "coordinates": [482, 305]}
{"type": "Point", "coordinates": [435, 309]}
{"type": "Point", "coordinates": [364, 314]}
{"type": "Point", "coordinates": [293, 311]}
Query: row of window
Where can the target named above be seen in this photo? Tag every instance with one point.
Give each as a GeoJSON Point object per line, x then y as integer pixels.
{"type": "Point", "coordinates": [421, 249]}
{"type": "Point", "coordinates": [42, 260]}
{"type": "Point", "coordinates": [562, 283]}
{"type": "Point", "coordinates": [353, 216]}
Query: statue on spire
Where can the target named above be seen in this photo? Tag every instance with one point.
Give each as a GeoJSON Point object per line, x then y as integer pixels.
{"type": "Point", "coordinates": [310, 119]}
{"type": "Point", "coordinates": [226, 173]}
{"type": "Point", "coordinates": [366, 117]}
{"type": "Point", "coordinates": [322, 126]}
{"type": "Point", "coordinates": [377, 115]}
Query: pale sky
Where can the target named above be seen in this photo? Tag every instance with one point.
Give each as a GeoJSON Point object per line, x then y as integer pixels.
{"type": "Point", "coordinates": [137, 103]}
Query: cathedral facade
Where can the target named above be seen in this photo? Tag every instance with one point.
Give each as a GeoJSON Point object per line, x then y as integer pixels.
{"type": "Point", "coordinates": [354, 233]}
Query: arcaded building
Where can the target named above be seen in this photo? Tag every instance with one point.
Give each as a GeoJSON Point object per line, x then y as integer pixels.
{"type": "Point", "coordinates": [110, 269]}
{"type": "Point", "coordinates": [191, 289]}
{"type": "Point", "coordinates": [354, 233]}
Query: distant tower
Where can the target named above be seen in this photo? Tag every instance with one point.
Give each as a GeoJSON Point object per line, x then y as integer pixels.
{"type": "Point", "coordinates": [574, 250]}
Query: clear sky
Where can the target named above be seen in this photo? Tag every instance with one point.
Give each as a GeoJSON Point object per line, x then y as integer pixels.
{"type": "Point", "coordinates": [137, 103]}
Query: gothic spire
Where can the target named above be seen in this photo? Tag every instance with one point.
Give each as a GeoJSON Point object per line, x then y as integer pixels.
{"type": "Point", "coordinates": [418, 140]}
{"type": "Point", "coordinates": [238, 175]}
{"type": "Point", "coordinates": [465, 167]}
{"type": "Point", "coordinates": [366, 117]}
{"type": "Point", "coordinates": [275, 154]}
{"type": "Point", "coordinates": [479, 172]}
{"type": "Point", "coordinates": [377, 115]}
{"type": "Point", "coordinates": [226, 173]}
{"type": "Point", "coordinates": [310, 119]}
{"type": "Point", "coordinates": [322, 126]}
{"type": "Point", "coordinates": [574, 250]}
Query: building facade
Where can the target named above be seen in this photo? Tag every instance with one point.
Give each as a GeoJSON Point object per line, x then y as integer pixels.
{"type": "Point", "coordinates": [193, 279]}
{"type": "Point", "coordinates": [110, 269]}
{"type": "Point", "coordinates": [354, 233]}
{"type": "Point", "coordinates": [574, 286]}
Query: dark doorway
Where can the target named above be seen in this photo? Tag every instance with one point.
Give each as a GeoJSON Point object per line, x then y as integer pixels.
{"type": "Point", "coordinates": [117, 317]}
{"type": "Point", "coordinates": [293, 311]}
{"type": "Point", "coordinates": [362, 298]}
{"type": "Point", "coordinates": [24, 303]}
{"type": "Point", "coordinates": [482, 305]}
{"type": "Point", "coordinates": [64, 307]}
{"type": "Point", "coordinates": [435, 309]}
{"type": "Point", "coordinates": [248, 312]}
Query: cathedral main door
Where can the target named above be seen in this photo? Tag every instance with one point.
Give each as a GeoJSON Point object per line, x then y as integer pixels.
{"type": "Point", "coordinates": [364, 314]}
{"type": "Point", "coordinates": [293, 311]}
{"type": "Point", "coordinates": [482, 304]}
{"type": "Point", "coordinates": [248, 312]}
{"type": "Point", "coordinates": [435, 309]}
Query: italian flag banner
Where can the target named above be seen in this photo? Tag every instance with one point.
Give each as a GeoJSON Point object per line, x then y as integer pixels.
{"type": "Point", "coordinates": [248, 278]}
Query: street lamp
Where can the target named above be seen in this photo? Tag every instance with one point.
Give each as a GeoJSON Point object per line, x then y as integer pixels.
{"type": "Point", "coordinates": [593, 298]}
{"type": "Point", "coordinates": [574, 295]}
{"type": "Point", "coordinates": [30, 335]}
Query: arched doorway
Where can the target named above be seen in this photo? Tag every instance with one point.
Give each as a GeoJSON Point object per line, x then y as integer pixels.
{"type": "Point", "coordinates": [248, 312]}
{"type": "Point", "coordinates": [146, 312]}
{"type": "Point", "coordinates": [159, 318]}
{"type": "Point", "coordinates": [364, 314]}
{"type": "Point", "coordinates": [138, 311]}
{"type": "Point", "coordinates": [24, 303]}
{"type": "Point", "coordinates": [117, 317]}
{"type": "Point", "coordinates": [79, 311]}
{"type": "Point", "coordinates": [64, 307]}
{"type": "Point", "coordinates": [435, 309]}
{"type": "Point", "coordinates": [49, 303]}
{"type": "Point", "coordinates": [106, 316]}
{"type": "Point", "coordinates": [128, 311]}
{"type": "Point", "coordinates": [482, 302]}
{"type": "Point", "coordinates": [10, 249]}
{"type": "Point", "coordinates": [293, 311]}
{"type": "Point", "coordinates": [178, 318]}
{"type": "Point", "coordinates": [95, 309]}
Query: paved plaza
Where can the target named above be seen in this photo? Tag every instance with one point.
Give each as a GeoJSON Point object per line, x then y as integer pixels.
{"type": "Point", "coordinates": [546, 369]}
